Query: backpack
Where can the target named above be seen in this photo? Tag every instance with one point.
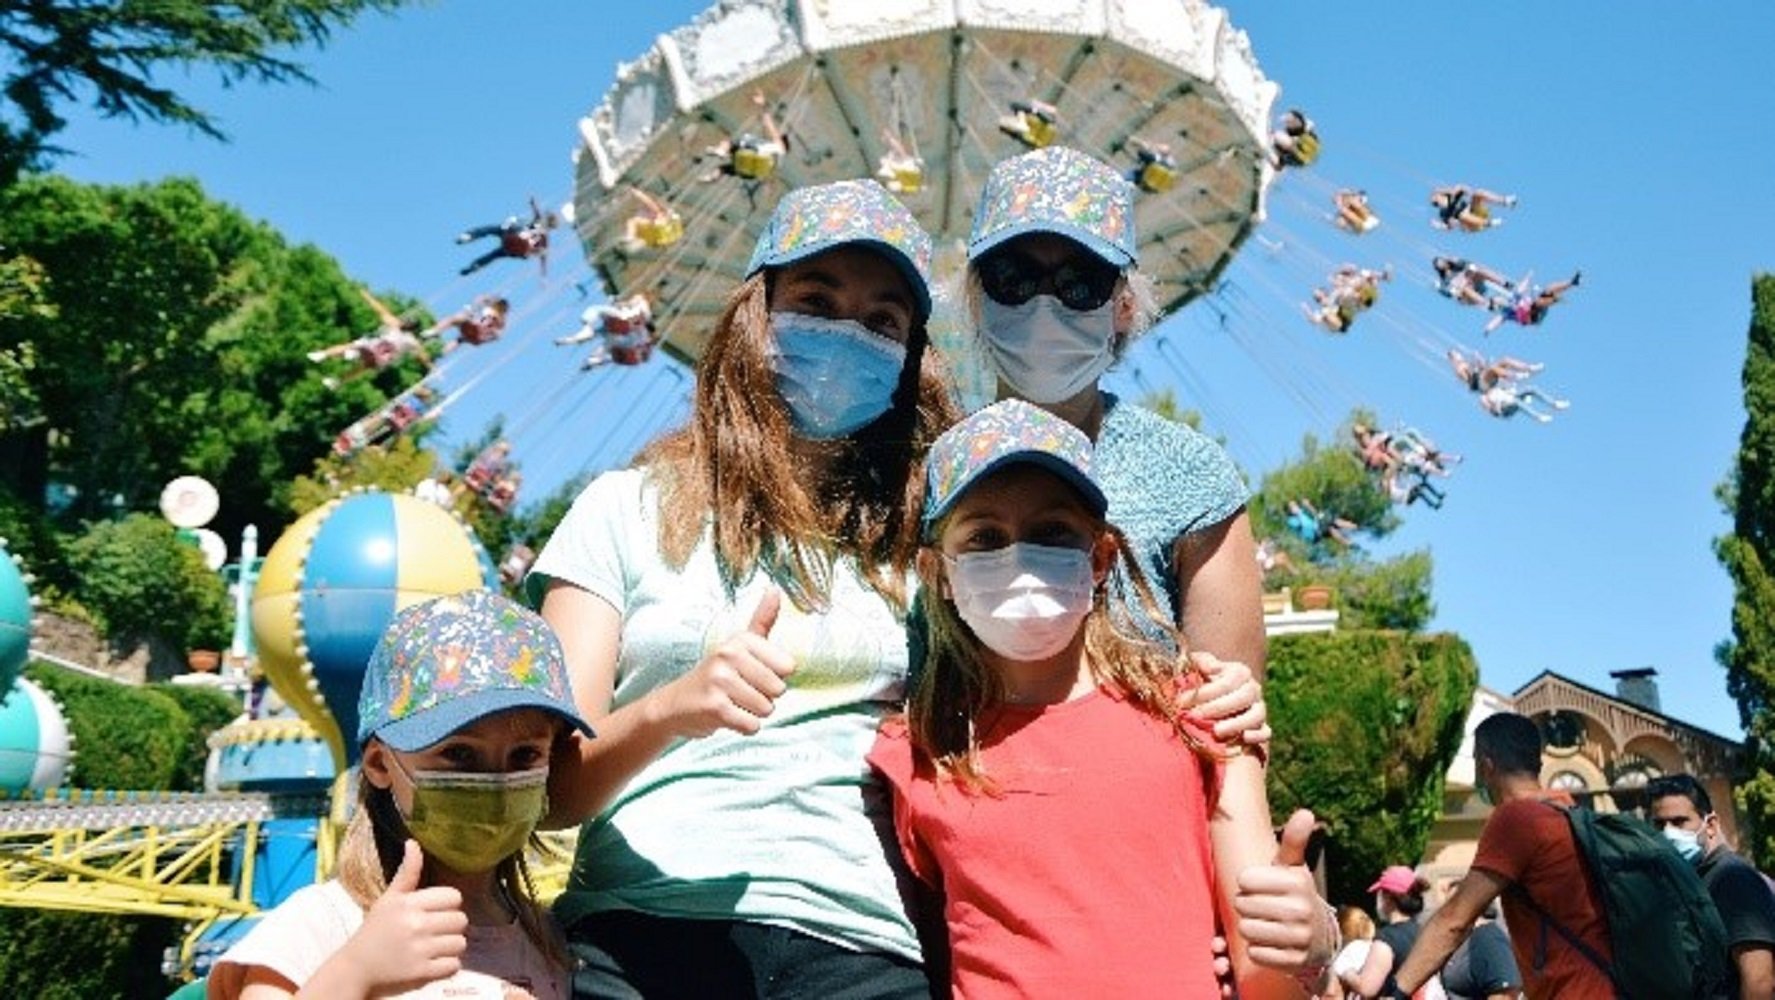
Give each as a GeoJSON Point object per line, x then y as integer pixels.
{"type": "Point", "coordinates": [1668, 939]}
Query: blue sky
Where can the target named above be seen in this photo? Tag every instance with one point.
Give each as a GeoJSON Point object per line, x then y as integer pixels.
{"type": "Point", "coordinates": [1636, 135]}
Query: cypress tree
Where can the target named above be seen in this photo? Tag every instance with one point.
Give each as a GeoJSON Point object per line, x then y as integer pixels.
{"type": "Point", "coordinates": [1748, 554]}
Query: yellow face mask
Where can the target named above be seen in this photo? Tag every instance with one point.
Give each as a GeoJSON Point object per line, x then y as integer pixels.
{"type": "Point", "coordinates": [471, 822]}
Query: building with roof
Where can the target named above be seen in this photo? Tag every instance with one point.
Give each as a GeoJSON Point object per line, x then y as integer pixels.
{"type": "Point", "coordinates": [1602, 748]}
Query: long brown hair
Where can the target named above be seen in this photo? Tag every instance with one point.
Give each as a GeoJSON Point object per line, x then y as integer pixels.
{"type": "Point", "coordinates": [732, 469]}
{"type": "Point", "coordinates": [376, 840]}
{"type": "Point", "coordinates": [956, 687]}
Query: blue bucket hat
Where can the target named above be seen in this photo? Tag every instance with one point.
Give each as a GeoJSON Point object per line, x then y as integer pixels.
{"type": "Point", "coordinates": [1009, 432]}
{"type": "Point", "coordinates": [1061, 191]}
{"type": "Point", "coordinates": [815, 219]}
{"type": "Point", "coordinates": [450, 661]}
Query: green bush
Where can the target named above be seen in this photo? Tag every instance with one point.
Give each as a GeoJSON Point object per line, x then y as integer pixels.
{"type": "Point", "coordinates": [208, 710]}
{"type": "Point", "coordinates": [124, 736]}
{"type": "Point", "coordinates": [141, 580]}
{"type": "Point", "coordinates": [1366, 725]}
{"type": "Point", "coordinates": [50, 955]}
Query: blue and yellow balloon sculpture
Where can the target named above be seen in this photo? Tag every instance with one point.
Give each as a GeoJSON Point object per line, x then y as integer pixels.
{"type": "Point", "coordinates": [329, 586]}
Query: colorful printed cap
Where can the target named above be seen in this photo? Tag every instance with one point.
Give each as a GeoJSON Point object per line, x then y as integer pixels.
{"type": "Point", "coordinates": [1062, 191]}
{"type": "Point", "coordinates": [1007, 433]}
{"type": "Point", "coordinates": [812, 220]}
{"type": "Point", "coordinates": [450, 661]}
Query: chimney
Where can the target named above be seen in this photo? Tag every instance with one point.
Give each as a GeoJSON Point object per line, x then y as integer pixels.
{"type": "Point", "coordinates": [1638, 687]}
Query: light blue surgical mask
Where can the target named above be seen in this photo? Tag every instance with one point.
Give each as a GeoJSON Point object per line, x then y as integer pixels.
{"type": "Point", "coordinates": [835, 375]}
{"type": "Point", "coordinates": [1686, 842]}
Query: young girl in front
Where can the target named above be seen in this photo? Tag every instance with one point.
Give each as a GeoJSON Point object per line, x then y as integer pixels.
{"type": "Point", "coordinates": [463, 701]}
{"type": "Point", "coordinates": [1077, 830]}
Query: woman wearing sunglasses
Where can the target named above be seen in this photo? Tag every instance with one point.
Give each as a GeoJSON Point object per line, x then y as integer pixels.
{"type": "Point", "coordinates": [1056, 294]}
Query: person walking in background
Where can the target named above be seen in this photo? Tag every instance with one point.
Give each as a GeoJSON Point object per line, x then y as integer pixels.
{"type": "Point", "coordinates": [1683, 810]}
{"type": "Point", "coordinates": [1526, 844]}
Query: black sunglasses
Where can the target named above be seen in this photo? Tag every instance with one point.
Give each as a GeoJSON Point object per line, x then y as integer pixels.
{"type": "Point", "coordinates": [1082, 284]}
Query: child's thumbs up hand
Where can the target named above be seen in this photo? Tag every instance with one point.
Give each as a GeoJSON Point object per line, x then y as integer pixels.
{"type": "Point", "coordinates": [735, 687]}
{"type": "Point", "coordinates": [411, 936]}
{"type": "Point", "coordinates": [1284, 922]}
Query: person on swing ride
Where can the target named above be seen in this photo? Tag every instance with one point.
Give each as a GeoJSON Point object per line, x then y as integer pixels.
{"type": "Point", "coordinates": [518, 239]}
{"type": "Point", "coordinates": [1353, 290]}
{"type": "Point", "coordinates": [749, 156]}
{"type": "Point", "coordinates": [1529, 304]}
{"type": "Point", "coordinates": [394, 339]}
{"type": "Point", "coordinates": [656, 226]}
{"type": "Point", "coordinates": [1295, 141]}
{"type": "Point", "coordinates": [1034, 123]}
{"type": "Point", "coordinates": [1155, 168]}
{"type": "Point", "coordinates": [901, 169]}
{"type": "Point", "coordinates": [1467, 282]}
{"type": "Point", "coordinates": [1467, 209]}
{"type": "Point", "coordinates": [626, 328]}
{"type": "Point", "coordinates": [1351, 211]}
{"type": "Point", "coordinates": [480, 322]}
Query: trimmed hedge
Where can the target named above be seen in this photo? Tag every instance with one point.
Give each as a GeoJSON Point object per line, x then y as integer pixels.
{"type": "Point", "coordinates": [124, 736]}
{"type": "Point", "coordinates": [1366, 724]}
{"type": "Point", "coordinates": [207, 710]}
{"type": "Point", "coordinates": [48, 955]}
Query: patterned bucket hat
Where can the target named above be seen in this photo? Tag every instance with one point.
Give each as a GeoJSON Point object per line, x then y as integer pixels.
{"type": "Point", "coordinates": [815, 219]}
{"type": "Point", "coordinates": [449, 661]}
{"type": "Point", "coordinates": [1009, 432]}
{"type": "Point", "coordinates": [1061, 191]}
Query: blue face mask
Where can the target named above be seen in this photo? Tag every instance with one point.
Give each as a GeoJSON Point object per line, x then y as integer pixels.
{"type": "Point", "coordinates": [835, 375]}
{"type": "Point", "coordinates": [1686, 842]}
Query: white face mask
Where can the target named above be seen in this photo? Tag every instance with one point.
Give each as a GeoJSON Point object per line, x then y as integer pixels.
{"type": "Point", "coordinates": [1025, 602]}
{"type": "Point", "coordinates": [1045, 351]}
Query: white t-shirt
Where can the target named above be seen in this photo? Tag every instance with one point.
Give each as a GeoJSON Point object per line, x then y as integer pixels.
{"type": "Point", "coordinates": [297, 937]}
{"type": "Point", "coordinates": [783, 827]}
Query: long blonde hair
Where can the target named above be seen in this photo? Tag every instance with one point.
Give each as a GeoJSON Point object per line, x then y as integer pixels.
{"type": "Point", "coordinates": [956, 687]}
{"type": "Point", "coordinates": [732, 471]}
{"type": "Point", "coordinates": [376, 840]}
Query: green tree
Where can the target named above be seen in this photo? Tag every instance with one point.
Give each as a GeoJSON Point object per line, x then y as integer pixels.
{"type": "Point", "coordinates": [396, 467]}
{"type": "Point", "coordinates": [1748, 554]}
{"type": "Point", "coordinates": [56, 51]}
{"type": "Point", "coordinates": [142, 581]}
{"type": "Point", "coordinates": [1389, 594]}
{"type": "Point", "coordinates": [1366, 725]}
{"type": "Point", "coordinates": [177, 347]}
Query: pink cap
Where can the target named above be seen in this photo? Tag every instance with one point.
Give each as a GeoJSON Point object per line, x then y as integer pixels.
{"type": "Point", "coordinates": [1397, 879]}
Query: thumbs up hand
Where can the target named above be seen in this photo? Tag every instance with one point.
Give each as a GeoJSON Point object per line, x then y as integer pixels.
{"type": "Point", "coordinates": [411, 936]}
{"type": "Point", "coordinates": [736, 686]}
{"type": "Point", "coordinates": [1284, 922]}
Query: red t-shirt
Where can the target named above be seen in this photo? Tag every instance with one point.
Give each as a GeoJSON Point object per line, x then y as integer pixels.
{"type": "Point", "coordinates": [1089, 876]}
{"type": "Point", "coordinates": [1531, 844]}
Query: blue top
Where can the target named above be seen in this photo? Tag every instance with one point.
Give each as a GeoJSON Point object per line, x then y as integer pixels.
{"type": "Point", "coordinates": [1164, 480]}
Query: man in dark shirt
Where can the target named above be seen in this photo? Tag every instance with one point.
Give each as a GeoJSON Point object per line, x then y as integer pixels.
{"type": "Point", "coordinates": [1483, 968]}
{"type": "Point", "coordinates": [1683, 811]}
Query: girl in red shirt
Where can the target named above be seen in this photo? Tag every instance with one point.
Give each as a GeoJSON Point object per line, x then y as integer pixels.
{"type": "Point", "coordinates": [1077, 831]}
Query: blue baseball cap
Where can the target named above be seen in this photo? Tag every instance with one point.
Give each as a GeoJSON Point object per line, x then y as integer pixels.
{"type": "Point", "coordinates": [1061, 191]}
{"type": "Point", "coordinates": [812, 220]}
{"type": "Point", "coordinates": [450, 661]}
{"type": "Point", "coordinates": [1009, 432]}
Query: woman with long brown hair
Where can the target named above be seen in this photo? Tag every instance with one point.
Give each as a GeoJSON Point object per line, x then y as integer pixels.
{"type": "Point", "coordinates": [733, 612]}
